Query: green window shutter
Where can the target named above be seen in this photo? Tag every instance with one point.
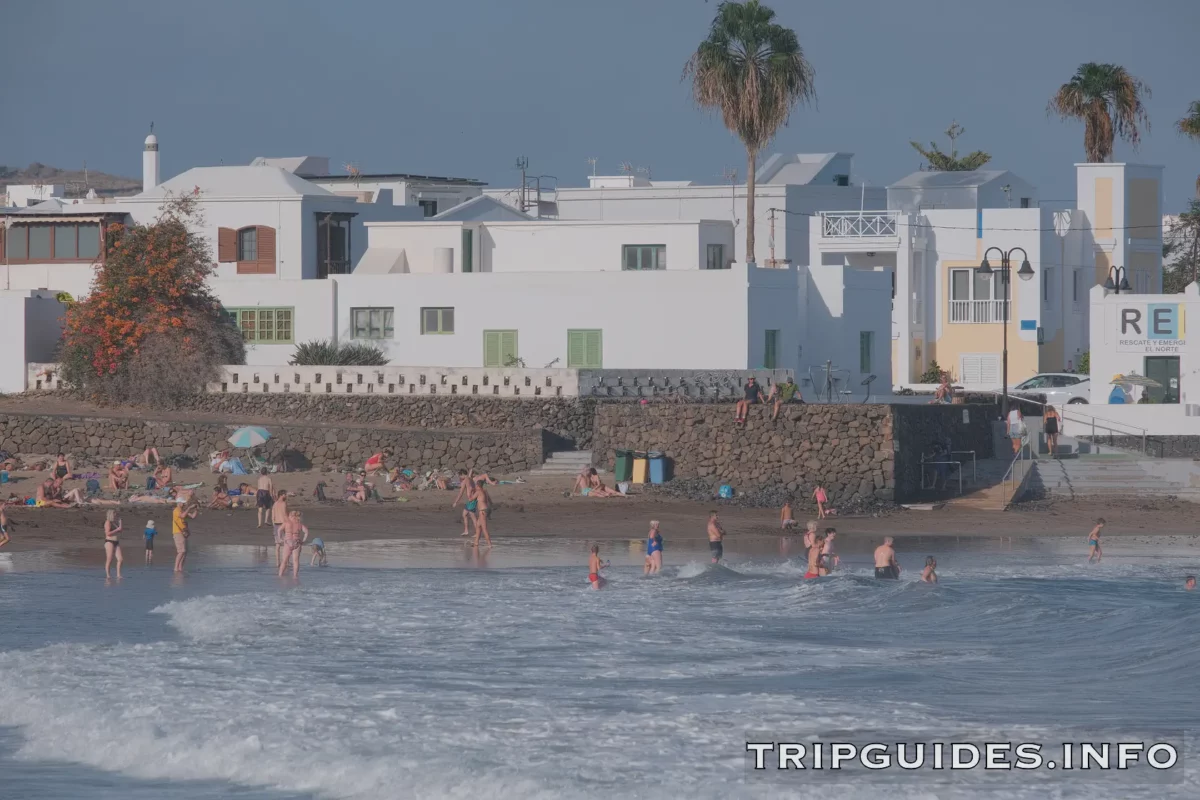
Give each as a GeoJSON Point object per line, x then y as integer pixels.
{"type": "Point", "coordinates": [508, 347]}
{"type": "Point", "coordinates": [770, 349]}
{"type": "Point", "coordinates": [866, 343]}
{"type": "Point", "coordinates": [491, 349]}
{"type": "Point", "coordinates": [594, 350]}
{"type": "Point", "coordinates": [576, 349]}
{"type": "Point", "coordinates": [468, 250]}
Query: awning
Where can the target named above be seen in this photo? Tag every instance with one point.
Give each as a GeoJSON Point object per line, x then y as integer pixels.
{"type": "Point", "coordinates": [382, 261]}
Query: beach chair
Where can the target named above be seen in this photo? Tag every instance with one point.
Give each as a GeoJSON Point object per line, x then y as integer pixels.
{"type": "Point", "coordinates": [258, 463]}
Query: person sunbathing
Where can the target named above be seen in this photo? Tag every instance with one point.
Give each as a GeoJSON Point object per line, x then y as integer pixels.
{"type": "Point", "coordinates": [142, 459]}
{"type": "Point", "coordinates": [163, 475]}
{"type": "Point", "coordinates": [596, 487]}
{"type": "Point", "coordinates": [356, 491]}
{"type": "Point", "coordinates": [118, 476]}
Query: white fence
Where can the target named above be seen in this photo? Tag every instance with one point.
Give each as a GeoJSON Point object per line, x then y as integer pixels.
{"type": "Point", "coordinates": [392, 380]}
{"type": "Point", "coordinates": [979, 311]}
{"type": "Point", "coordinates": [858, 224]}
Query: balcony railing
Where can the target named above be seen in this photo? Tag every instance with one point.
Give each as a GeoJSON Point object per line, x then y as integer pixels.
{"type": "Point", "coordinates": [979, 311]}
{"type": "Point", "coordinates": [332, 266]}
{"type": "Point", "coordinates": [858, 224]}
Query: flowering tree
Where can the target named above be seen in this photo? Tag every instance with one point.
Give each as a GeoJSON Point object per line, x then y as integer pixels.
{"type": "Point", "coordinates": [150, 330]}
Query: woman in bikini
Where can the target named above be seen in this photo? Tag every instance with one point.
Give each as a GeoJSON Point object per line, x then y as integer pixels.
{"type": "Point", "coordinates": [1051, 423]}
{"type": "Point", "coordinates": [929, 574]}
{"type": "Point", "coordinates": [295, 534]}
{"type": "Point", "coordinates": [596, 487]}
{"type": "Point", "coordinates": [815, 570]}
{"type": "Point", "coordinates": [112, 543]}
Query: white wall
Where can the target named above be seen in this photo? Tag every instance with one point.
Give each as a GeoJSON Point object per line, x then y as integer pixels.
{"type": "Point", "coordinates": [314, 310]}
{"type": "Point", "coordinates": [652, 319]}
{"type": "Point", "coordinates": [30, 327]}
{"type": "Point", "coordinates": [28, 194]}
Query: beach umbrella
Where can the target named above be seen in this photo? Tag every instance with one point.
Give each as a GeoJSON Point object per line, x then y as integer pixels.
{"type": "Point", "coordinates": [250, 436]}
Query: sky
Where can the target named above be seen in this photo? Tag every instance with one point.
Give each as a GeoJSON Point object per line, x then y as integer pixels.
{"type": "Point", "coordinates": [464, 87]}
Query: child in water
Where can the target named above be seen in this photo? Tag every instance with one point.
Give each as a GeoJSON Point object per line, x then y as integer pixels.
{"type": "Point", "coordinates": [1095, 553]}
{"type": "Point", "coordinates": [149, 535]}
{"type": "Point", "coordinates": [594, 567]}
{"type": "Point", "coordinates": [929, 574]}
{"type": "Point", "coordinates": [318, 553]}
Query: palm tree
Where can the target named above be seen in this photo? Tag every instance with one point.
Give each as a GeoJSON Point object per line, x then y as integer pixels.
{"type": "Point", "coordinates": [1190, 126]}
{"type": "Point", "coordinates": [752, 71]}
{"type": "Point", "coordinates": [1109, 101]}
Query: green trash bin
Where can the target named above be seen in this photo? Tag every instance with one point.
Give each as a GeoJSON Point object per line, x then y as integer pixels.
{"type": "Point", "coordinates": [623, 471]}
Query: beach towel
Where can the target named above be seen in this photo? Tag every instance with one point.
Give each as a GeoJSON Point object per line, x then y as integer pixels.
{"type": "Point", "coordinates": [236, 468]}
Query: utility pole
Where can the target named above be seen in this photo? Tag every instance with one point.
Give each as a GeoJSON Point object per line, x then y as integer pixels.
{"type": "Point", "coordinates": [523, 164]}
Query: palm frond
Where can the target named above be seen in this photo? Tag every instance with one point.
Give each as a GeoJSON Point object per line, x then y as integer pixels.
{"type": "Point", "coordinates": [1108, 100]}
{"type": "Point", "coordinates": [1189, 125]}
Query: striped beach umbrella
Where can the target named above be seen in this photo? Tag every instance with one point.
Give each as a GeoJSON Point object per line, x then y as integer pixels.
{"type": "Point", "coordinates": [250, 436]}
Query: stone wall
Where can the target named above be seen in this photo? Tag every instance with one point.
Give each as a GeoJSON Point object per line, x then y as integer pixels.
{"type": "Point", "coordinates": [918, 427]}
{"type": "Point", "coordinates": [861, 453]}
{"type": "Point", "coordinates": [569, 419]}
{"type": "Point", "coordinates": [1157, 446]}
{"type": "Point", "coordinates": [320, 446]}
{"type": "Point", "coordinates": [848, 447]}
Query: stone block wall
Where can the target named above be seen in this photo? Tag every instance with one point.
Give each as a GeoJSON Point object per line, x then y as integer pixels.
{"type": "Point", "coordinates": [848, 447]}
{"type": "Point", "coordinates": [321, 446]}
{"type": "Point", "coordinates": [569, 419]}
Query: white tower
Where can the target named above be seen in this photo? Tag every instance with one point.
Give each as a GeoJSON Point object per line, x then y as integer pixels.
{"type": "Point", "coordinates": [150, 161]}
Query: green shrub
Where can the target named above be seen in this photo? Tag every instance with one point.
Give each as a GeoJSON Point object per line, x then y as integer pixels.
{"type": "Point", "coordinates": [933, 374]}
{"type": "Point", "coordinates": [1084, 367]}
{"type": "Point", "coordinates": [321, 353]}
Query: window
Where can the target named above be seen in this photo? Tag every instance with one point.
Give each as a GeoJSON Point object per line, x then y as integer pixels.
{"type": "Point", "coordinates": [371, 323]}
{"type": "Point", "coordinates": [264, 325]}
{"type": "Point", "coordinates": [500, 348]}
{"type": "Point", "coordinates": [247, 244]}
{"type": "Point", "coordinates": [333, 244]}
{"type": "Point", "coordinates": [59, 241]}
{"type": "Point", "coordinates": [644, 256]}
{"type": "Point", "coordinates": [585, 349]}
{"type": "Point", "coordinates": [1077, 286]}
{"type": "Point", "coordinates": [1024, 202]}
{"type": "Point", "coordinates": [771, 350]}
{"type": "Point", "coordinates": [437, 320]}
{"type": "Point", "coordinates": [716, 257]}
{"type": "Point", "coordinates": [841, 180]}
{"type": "Point", "coordinates": [428, 207]}
{"type": "Point", "coordinates": [866, 349]}
{"type": "Point", "coordinates": [981, 287]}
{"type": "Point", "coordinates": [1047, 286]}
{"type": "Point", "coordinates": [960, 284]}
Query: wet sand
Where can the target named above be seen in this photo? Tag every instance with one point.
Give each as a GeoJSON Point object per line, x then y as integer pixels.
{"type": "Point", "coordinates": [539, 509]}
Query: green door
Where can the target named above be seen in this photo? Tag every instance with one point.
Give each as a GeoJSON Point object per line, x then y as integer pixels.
{"type": "Point", "coordinates": [468, 250]}
{"type": "Point", "coordinates": [1165, 370]}
{"type": "Point", "coordinates": [500, 348]}
{"type": "Point", "coordinates": [585, 349]}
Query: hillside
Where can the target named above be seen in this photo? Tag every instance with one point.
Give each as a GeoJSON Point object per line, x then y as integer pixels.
{"type": "Point", "coordinates": [76, 181]}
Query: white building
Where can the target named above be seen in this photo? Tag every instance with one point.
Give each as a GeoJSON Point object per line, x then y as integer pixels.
{"type": "Point", "coordinates": [937, 230]}
{"type": "Point", "coordinates": [796, 185]}
{"type": "Point", "coordinates": [23, 195]}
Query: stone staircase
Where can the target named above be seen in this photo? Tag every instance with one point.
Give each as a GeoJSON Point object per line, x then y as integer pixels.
{"type": "Point", "coordinates": [564, 462]}
{"type": "Point", "coordinates": [1106, 473]}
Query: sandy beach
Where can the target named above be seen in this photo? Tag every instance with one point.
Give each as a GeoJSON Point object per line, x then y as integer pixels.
{"type": "Point", "coordinates": [539, 508]}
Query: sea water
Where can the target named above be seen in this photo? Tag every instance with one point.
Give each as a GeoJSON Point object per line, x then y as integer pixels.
{"type": "Point", "coordinates": [435, 672]}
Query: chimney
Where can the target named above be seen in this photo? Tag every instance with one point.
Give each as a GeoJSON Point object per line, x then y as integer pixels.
{"type": "Point", "coordinates": [150, 161]}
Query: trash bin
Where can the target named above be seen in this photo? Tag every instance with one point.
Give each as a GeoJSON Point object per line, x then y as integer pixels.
{"type": "Point", "coordinates": [657, 467]}
{"type": "Point", "coordinates": [641, 466]}
{"type": "Point", "coordinates": [623, 470]}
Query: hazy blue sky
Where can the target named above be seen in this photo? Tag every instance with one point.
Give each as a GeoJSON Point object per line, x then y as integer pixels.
{"type": "Point", "coordinates": [462, 87]}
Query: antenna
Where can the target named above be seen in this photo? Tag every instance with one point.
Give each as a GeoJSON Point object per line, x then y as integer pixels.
{"type": "Point", "coordinates": [626, 167]}
{"type": "Point", "coordinates": [152, 126]}
{"type": "Point", "coordinates": [645, 170]}
{"type": "Point", "coordinates": [730, 174]}
{"type": "Point", "coordinates": [592, 163]}
{"type": "Point", "coordinates": [352, 169]}
{"type": "Point", "coordinates": [523, 164]}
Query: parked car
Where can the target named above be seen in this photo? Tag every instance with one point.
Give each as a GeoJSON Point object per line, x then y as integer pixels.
{"type": "Point", "coordinates": [1060, 388]}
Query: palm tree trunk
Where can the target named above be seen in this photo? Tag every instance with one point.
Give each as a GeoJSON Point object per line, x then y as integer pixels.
{"type": "Point", "coordinates": [751, 159]}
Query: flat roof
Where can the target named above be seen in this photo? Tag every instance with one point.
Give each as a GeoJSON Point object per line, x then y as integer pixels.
{"type": "Point", "coordinates": [394, 176]}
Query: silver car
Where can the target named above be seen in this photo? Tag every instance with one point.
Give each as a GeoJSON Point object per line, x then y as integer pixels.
{"type": "Point", "coordinates": [1060, 388]}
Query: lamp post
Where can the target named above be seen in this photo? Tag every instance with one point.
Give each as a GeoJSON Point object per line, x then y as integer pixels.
{"type": "Point", "coordinates": [1118, 280]}
{"type": "Point", "coordinates": [1024, 273]}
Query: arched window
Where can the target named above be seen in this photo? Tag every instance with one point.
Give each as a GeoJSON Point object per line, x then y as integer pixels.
{"type": "Point", "coordinates": [251, 247]}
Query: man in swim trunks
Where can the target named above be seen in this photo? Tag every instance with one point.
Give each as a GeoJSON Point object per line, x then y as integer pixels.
{"type": "Point", "coordinates": [715, 534]}
{"type": "Point", "coordinates": [752, 394]}
{"type": "Point", "coordinates": [594, 567]}
{"type": "Point", "coordinates": [885, 560]}
{"type": "Point", "coordinates": [786, 392]}
{"type": "Point", "coordinates": [279, 518]}
{"type": "Point", "coordinates": [1095, 553]}
{"type": "Point", "coordinates": [264, 497]}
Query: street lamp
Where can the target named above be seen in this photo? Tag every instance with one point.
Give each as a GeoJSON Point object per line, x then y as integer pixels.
{"type": "Point", "coordinates": [1118, 280]}
{"type": "Point", "coordinates": [1024, 273]}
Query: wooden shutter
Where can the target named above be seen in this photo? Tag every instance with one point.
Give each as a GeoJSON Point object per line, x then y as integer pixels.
{"type": "Point", "coordinates": [576, 349]}
{"type": "Point", "coordinates": [266, 250]}
{"type": "Point", "coordinates": [508, 347]}
{"type": "Point", "coordinates": [226, 245]}
{"type": "Point", "coordinates": [593, 349]}
{"type": "Point", "coordinates": [491, 349]}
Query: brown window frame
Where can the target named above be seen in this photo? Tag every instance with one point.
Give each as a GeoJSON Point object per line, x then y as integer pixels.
{"type": "Point", "coordinates": [23, 228]}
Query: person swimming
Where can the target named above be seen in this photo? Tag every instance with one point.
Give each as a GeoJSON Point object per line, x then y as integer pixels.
{"type": "Point", "coordinates": [1189, 583]}
{"type": "Point", "coordinates": [829, 556]}
{"type": "Point", "coordinates": [594, 567]}
{"type": "Point", "coordinates": [929, 574]}
{"type": "Point", "coordinates": [886, 566]}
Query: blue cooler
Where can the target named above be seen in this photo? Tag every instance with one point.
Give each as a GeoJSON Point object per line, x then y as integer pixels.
{"type": "Point", "coordinates": [657, 467]}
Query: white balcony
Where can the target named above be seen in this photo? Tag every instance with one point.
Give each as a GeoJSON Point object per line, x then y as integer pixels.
{"type": "Point", "coordinates": [979, 311]}
{"type": "Point", "coordinates": [858, 224]}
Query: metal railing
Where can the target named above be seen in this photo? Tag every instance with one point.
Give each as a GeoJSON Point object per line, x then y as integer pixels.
{"type": "Point", "coordinates": [858, 224]}
{"type": "Point", "coordinates": [979, 311]}
{"type": "Point", "coordinates": [1017, 470]}
{"type": "Point", "coordinates": [1104, 424]}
